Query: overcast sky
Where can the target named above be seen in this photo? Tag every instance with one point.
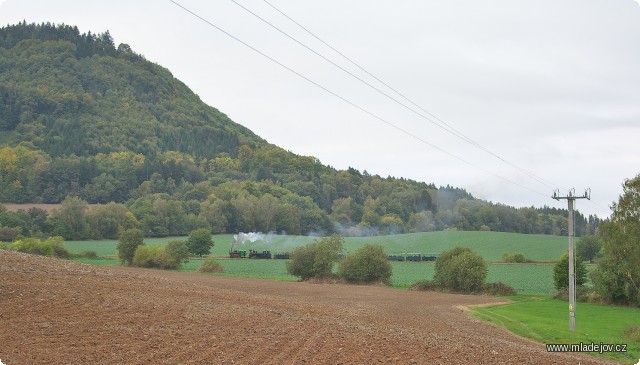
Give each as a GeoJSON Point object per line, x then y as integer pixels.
{"type": "Point", "coordinates": [550, 88]}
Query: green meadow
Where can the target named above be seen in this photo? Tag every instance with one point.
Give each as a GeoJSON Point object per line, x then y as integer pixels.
{"type": "Point", "coordinates": [490, 245]}
{"type": "Point", "coordinates": [546, 320]}
{"type": "Point", "coordinates": [533, 278]}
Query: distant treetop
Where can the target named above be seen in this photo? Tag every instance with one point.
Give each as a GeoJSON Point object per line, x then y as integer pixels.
{"type": "Point", "coordinates": [87, 44]}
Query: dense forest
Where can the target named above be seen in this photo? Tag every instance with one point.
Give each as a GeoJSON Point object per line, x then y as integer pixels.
{"type": "Point", "coordinates": [122, 143]}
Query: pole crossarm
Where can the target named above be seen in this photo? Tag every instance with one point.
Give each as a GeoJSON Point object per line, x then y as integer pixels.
{"type": "Point", "coordinates": [571, 198]}
{"type": "Point", "coordinates": [572, 195]}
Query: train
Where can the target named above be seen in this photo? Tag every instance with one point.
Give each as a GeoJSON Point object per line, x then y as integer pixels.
{"type": "Point", "coordinates": [412, 257]}
{"type": "Point", "coordinates": [253, 254]}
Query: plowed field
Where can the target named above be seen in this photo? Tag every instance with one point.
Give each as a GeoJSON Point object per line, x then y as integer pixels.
{"type": "Point", "coordinates": [59, 312]}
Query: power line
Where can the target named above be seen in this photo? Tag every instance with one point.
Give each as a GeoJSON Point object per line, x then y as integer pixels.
{"type": "Point", "coordinates": [447, 128]}
{"type": "Point", "coordinates": [440, 123]}
{"type": "Point", "coordinates": [350, 102]}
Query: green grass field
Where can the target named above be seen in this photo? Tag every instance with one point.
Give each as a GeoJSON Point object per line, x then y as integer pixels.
{"type": "Point", "coordinates": [490, 245]}
{"type": "Point", "coordinates": [547, 321]}
{"type": "Point", "coordinates": [525, 278]}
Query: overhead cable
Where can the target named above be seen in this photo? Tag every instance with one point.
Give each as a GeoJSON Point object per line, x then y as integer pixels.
{"type": "Point", "coordinates": [430, 118]}
{"type": "Point", "coordinates": [406, 132]}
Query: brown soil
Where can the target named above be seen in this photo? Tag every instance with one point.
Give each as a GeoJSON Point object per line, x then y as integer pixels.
{"type": "Point", "coordinates": [60, 312]}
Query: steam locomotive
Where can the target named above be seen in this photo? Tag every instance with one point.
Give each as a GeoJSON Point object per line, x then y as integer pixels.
{"type": "Point", "coordinates": [253, 254]}
{"type": "Point", "coordinates": [412, 257]}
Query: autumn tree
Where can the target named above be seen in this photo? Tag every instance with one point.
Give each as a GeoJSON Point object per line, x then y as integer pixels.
{"type": "Point", "coordinates": [128, 242]}
{"type": "Point", "coordinates": [200, 242]}
{"type": "Point", "coordinates": [617, 277]}
{"type": "Point", "coordinates": [589, 247]}
{"type": "Point", "coordinates": [561, 272]}
{"type": "Point", "coordinates": [70, 220]}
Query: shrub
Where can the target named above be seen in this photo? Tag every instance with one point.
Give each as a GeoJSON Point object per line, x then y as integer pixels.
{"type": "Point", "coordinates": [425, 285]}
{"type": "Point", "coordinates": [153, 257]}
{"type": "Point", "coordinates": [57, 243]}
{"type": "Point", "coordinates": [200, 242]}
{"type": "Point", "coordinates": [32, 246]}
{"type": "Point", "coordinates": [128, 242]}
{"type": "Point", "coordinates": [89, 254]}
{"type": "Point", "coordinates": [52, 246]}
{"type": "Point", "coordinates": [9, 234]}
{"type": "Point", "coordinates": [367, 264]}
{"type": "Point", "coordinates": [460, 269]}
{"type": "Point", "coordinates": [583, 294]}
{"type": "Point", "coordinates": [211, 266]}
{"type": "Point", "coordinates": [561, 272]}
{"type": "Point", "coordinates": [315, 259]}
{"type": "Point", "coordinates": [499, 289]}
{"type": "Point", "coordinates": [514, 257]}
{"type": "Point", "coordinates": [168, 257]}
{"type": "Point", "coordinates": [178, 251]}
{"type": "Point", "coordinates": [144, 256]}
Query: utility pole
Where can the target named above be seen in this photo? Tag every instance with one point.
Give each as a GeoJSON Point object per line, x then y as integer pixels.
{"type": "Point", "coordinates": [571, 198]}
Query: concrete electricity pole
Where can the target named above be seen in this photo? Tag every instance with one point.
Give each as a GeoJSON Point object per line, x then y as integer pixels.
{"type": "Point", "coordinates": [571, 198]}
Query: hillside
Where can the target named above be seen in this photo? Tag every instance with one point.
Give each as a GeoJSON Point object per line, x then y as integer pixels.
{"type": "Point", "coordinates": [68, 93]}
{"type": "Point", "coordinates": [85, 121]}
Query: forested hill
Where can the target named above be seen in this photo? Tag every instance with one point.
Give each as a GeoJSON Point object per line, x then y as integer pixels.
{"type": "Point", "coordinates": [71, 93]}
{"type": "Point", "coordinates": [85, 121]}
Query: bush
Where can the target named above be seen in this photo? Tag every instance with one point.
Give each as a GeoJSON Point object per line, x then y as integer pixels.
{"type": "Point", "coordinates": [33, 246]}
{"type": "Point", "coordinates": [583, 294]}
{"type": "Point", "coordinates": [514, 257]}
{"type": "Point", "coordinates": [366, 265]}
{"type": "Point", "coordinates": [460, 269]}
{"type": "Point", "coordinates": [561, 272]}
{"type": "Point", "coordinates": [57, 243]}
{"type": "Point", "coordinates": [178, 251]}
{"type": "Point", "coordinates": [128, 243]}
{"type": "Point", "coordinates": [169, 257]}
{"type": "Point", "coordinates": [211, 266]}
{"type": "Point", "coordinates": [153, 257]}
{"type": "Point", "coordinates": [316, 259]}
{"type": "Point", "coordinates": [425, 285]}
{"type": "Point", "coordinates": [8, 234]}
{"type": "Point", "coordinates": [53, 246]}
{"type": "Point", "coordinates": [89, 254]}
{"type": "Point", "coordinates": [498, 289]}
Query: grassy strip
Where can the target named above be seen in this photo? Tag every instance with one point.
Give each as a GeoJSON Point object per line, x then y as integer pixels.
{"type": "Point", "coordinates": [525, 278]}
{"type": "Point", "coordinates": [490, 245]}
{"type": "Point", "coordinates": [546, 320]}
